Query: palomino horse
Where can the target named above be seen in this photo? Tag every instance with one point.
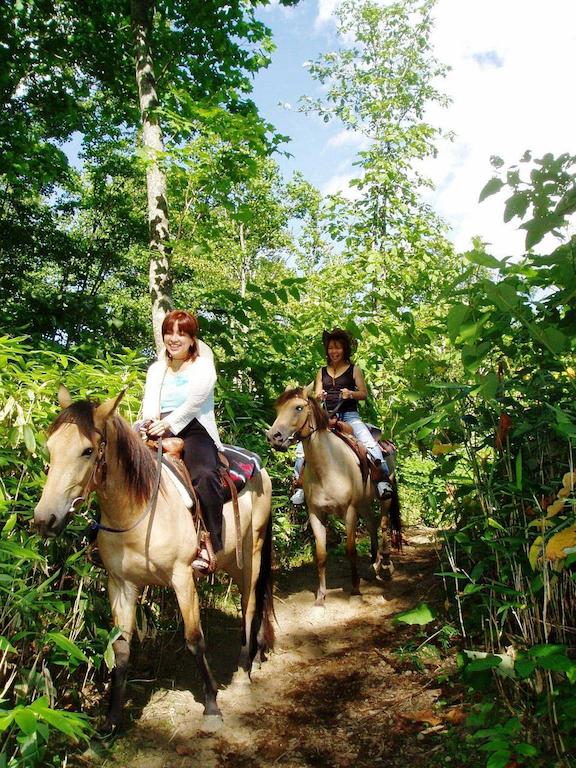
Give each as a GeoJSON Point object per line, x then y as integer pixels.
{"type": "Point", "coordinates": [151, 539]}
{"type": "Point", "coordinates": [333, 483]}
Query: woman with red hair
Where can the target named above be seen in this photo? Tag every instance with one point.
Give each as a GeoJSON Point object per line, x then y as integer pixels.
{"type": "Point", "coordinates": [179, 400]}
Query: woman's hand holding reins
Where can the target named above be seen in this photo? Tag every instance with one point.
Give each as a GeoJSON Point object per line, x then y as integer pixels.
{"type": "Point", "coordinates": [158, 428]}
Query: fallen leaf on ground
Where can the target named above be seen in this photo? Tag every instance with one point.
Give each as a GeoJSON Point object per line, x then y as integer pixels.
{"type": "Point", "coordinates": [422, 716]}
{"type": "Point", "coordinates": [455, 716]}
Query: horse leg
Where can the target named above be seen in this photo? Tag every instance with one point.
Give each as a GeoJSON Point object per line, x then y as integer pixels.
{"type": "Point", "coordinates": [319, 531]}
{"type": "Point", "coordinates": [372, 524]}
{"type": "Point", "coordinates": [383, 566]}
{"type": "Point", "coordinates": [123, 597]}
{"type": "Point", "coordinates": [248, 589]}
{"type": "Point", "coordinates": [351, 524]}
{"type": "Point", "coordinates": [187, 596]}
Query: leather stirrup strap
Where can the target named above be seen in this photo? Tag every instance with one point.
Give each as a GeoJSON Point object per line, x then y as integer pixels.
{"type": "Point", "coordinates": [238, 527]}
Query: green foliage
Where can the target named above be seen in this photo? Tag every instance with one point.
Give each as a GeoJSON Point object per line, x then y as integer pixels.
{"type": "Point", "coordinates": [53, 616]}
{"type": "Point", "coordinates": [421, 614]}
{"type": "Point", "coordinates": [501, 436]}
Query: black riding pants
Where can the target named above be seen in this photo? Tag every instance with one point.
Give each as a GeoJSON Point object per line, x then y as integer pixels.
{"type": "Point", "coordinates": [201, 458]}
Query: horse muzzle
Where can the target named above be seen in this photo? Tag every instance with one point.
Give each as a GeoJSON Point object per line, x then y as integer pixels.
{"type": "Point", "coordinates": [50, 522]}
{"type": "Point", "coordinates": [278, 439]}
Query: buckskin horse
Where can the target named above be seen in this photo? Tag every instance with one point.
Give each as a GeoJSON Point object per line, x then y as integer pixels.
{"type": "Point", "coordinates": [147, 538]}
{"type": "Point", "coordinates": [333, 484]}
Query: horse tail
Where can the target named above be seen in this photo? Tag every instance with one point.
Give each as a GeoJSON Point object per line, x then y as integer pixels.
{"type": "Point", "coordinates": [262, 634]}
{"type": "Point", "coordinates": [395, 517]}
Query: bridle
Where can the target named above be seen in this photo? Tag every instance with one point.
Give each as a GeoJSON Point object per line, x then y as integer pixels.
{"type": "Point", "coordinates": [98, 477]}
{"type": "Point", "coordinates": [297, 435]}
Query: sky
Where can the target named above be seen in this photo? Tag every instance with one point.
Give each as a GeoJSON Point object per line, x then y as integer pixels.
{"type": "Point", "coordinates": [511, 85]}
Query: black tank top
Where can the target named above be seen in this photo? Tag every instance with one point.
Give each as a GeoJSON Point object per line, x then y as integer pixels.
{"type": "Point", "coordinates": [333, 387]}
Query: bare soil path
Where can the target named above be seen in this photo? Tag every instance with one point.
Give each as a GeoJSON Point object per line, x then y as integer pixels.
{"type": "Point", "coordinates": [336, 692]}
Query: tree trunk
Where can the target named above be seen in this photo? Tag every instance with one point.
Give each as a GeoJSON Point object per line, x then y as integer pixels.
{"type": "Point", "coordinates": [160, 284]}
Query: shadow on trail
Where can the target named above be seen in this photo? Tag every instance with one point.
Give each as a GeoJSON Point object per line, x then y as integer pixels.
{"type": "Point", "coordinates": [311, 704]}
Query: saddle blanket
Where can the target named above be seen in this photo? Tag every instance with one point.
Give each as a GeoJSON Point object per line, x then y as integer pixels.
{"type": "Point", "coordinates": [388, 447]}
{"type": "Point", "coordinates": [243, 465]}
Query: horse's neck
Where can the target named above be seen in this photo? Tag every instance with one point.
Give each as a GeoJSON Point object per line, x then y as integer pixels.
{"type": "Point", "coordinates": [322, 451]}
{"type": "Point", "coordinates": [116, 503]}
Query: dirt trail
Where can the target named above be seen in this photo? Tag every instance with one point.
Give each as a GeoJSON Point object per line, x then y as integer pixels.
{"type": "Point", "coordinates": [332, 694]}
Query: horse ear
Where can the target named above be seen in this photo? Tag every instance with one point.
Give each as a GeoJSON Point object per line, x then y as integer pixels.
{"type": "Point", "coordinates": [64, 397]}
{"type": "Point", "coordinates": [104, 411]}
{"type": "Point", "coordinates": [309, 389]}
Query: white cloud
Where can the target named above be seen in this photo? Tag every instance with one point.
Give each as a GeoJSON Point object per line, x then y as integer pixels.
{"type": "Point", "coordinates": [326, 12]}
{"type": "Point", "coordinates": [511, 88]}
{"type": "Point", "coordinates": [345, 138]}
{"type": "Point", "coordinates": [510, 84]}
{"type": "Point", "coordinates": [340, 182]}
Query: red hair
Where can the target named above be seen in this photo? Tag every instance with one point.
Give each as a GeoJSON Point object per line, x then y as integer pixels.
{"type": "Point", "coordinates": [187, 323]}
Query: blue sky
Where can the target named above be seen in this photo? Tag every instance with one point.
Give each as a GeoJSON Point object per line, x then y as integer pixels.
{"type": "Point", "coordinates": [510, 82]}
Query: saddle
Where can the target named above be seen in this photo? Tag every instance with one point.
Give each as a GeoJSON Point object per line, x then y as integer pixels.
{"type": "Point", "coordinates": [172, 448]}
{"type": "Point", "coordinates": [368, 466]}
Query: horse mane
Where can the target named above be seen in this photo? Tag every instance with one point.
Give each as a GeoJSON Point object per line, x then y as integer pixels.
{"type": "Point", "coordinates": [321, 419]}
{"type": "Point", "coordinates": [135, 458]}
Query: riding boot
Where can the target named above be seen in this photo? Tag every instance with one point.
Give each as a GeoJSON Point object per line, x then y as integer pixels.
{"type": "Point", "coordinates": [381, 478]}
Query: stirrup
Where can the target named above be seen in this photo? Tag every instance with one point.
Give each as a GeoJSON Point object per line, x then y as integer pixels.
{"type": "Point", "coordinates": [202, 562]}
{"type": "Point", "coordinates": [384, 490]}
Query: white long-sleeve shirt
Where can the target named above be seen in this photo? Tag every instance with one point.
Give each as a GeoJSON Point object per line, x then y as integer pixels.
{"type": "Point", "coordinates": [199, 403]}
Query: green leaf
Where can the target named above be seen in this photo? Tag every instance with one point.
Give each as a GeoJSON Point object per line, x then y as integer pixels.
{"type": "Point", "coordinates": [483, 259]}
{"type": "Point", "coordinates": [518, 473]}
{"type": "Point", "coordinates": [6, 721]}
{"type": "Point", "coordinates": [20, 552]}
{"type": "Point", "coordinates": [524, 667]}
{"type": "Point", "coordinates": [491, 188]}
{"type": "Point", "coordinates": [567, 204]}
{"type": "Point", "coordinates": [421, 614]}
{"type": "Point", "coordinates": [555, 662]}
{"type": "Point", "coordinates": [67, 645]}
{"type": "Point", "coordinates": [25, 720]}
{"type": "Point", "coordinates": [456, 316]}
{"type": "Point", "coordinates": [6, 645]}
{"type": "Point", "coordinates": [550, 337]}
{"type": "Point", "coordinates": [29, 438]}
{"type": "Point", "coordinates": [478, 665]}
{"type": "Point", "coordinates": [516, 205]}
{"type": "Point", "coordinates": [499, 759]}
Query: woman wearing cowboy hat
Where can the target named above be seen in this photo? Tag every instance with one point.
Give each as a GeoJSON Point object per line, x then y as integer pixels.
{"type": "Point", "coordinates": [340, 385]}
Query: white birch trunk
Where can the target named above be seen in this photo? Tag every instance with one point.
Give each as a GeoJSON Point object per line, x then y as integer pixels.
{"type": "Point", "coordinates": [160, 285]}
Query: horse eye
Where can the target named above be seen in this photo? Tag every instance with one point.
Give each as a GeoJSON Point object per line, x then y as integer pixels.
{"type": "Point", "coordinates": [87, 451]}
{"type": "Point", "coordinates": [299, 408]}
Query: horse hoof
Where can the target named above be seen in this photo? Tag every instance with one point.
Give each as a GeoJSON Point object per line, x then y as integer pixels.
{"type": "Point", "coordinates": [107, 732]}
{"type": "Point", "coordinates": [240, 679]}
{"type": "Point", "coordinates": [212, 723]}
{"type": "Point", "coordinates": [385, 573]}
